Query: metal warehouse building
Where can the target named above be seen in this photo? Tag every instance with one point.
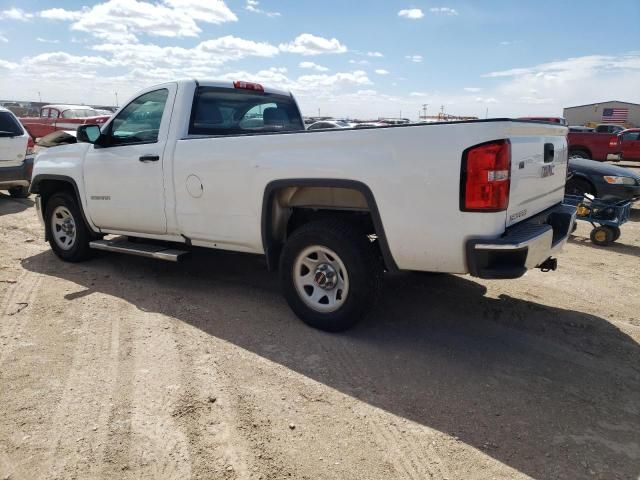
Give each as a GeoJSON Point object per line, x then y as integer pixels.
{"type": "Point", "coordinates": [621, 113]}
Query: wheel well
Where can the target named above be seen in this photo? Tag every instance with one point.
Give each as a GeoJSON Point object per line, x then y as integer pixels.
{"type": "Point", "coordinates": [586, 180]}
{"type": "Point", "coordinates": [46, 188]}
{"type": "Point", "coordinates": [288, 206]}
{"type": "Point", "coordinates": [580, 148]}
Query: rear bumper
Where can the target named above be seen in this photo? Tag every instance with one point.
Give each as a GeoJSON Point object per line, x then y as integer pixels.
{"type": "Point", "coordinates": [523, 246]}
{"type": "Point", "coordinates": [16, 176]}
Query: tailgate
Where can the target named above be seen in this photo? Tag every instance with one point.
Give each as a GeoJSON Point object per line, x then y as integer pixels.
{"type": "Point", "coordinates": [538, 172]}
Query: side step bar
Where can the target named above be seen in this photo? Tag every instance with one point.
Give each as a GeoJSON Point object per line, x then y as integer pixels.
{"type": "Point", "coordinates": [122, 245]}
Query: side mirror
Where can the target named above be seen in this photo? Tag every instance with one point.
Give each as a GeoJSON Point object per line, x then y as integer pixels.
{"type": "Point", "coordinates": [88, 133]}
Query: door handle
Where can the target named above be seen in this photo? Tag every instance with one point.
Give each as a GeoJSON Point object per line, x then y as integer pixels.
{"type": "Point", "coordinates": [149, 158]}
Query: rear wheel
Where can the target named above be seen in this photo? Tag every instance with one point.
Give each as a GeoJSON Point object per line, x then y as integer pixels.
{"type": "Point", "coordinates": [330, 274]}
{"type": "Point", "coordinates": [602, 236]}
{"type": "Point", "coordinates": [579, 154]}
{"type": "Point", "coordinates": [68, 235]}
{"type": "Point", "coordinates": [19, 192]}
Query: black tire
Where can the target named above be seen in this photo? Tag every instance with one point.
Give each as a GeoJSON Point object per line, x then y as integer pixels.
{"type": "Point", "coordinates": [602, 236]}
{"type": "Point", "coordinates": [79, 250]}
{"type": "Point", "coordinates": [19, 192]}
{"type": "Point", "coordinates": [579, 154]}
{"type": "Point", "coordinates": [579, 186]}
{"type": "Point", "coordinates": [616, 233]}
{"type": "Point", "coordinates": [362, 266]}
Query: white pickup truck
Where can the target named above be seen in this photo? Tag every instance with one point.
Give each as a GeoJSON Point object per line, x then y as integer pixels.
{"type": "Point", "coordinates": [228, 165]}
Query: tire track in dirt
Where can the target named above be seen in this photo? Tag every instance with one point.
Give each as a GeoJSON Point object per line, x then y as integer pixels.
{"type": "Point", "coordinates": [15, 310]}
{"type": "Point", "coordinates": [82, 413]}
{"type": "Point", "coordinates": [402, 453]}
{"type": "Point", "coordinates": [158, 448]}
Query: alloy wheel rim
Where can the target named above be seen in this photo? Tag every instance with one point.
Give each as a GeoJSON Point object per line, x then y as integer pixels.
{"type": "Point", "coordinates": [321, 279]}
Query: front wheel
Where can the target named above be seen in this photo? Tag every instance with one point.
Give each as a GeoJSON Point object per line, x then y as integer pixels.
{"type": "Point", "coordinates": [67, 232]}
{"type": "Point", "coordinates": [330, 274]}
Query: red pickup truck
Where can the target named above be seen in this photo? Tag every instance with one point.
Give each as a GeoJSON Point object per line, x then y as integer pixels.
{"type": "Point", "coordinates": [593, 145]}
{"type": "Point", "coordinates": [61, 117]}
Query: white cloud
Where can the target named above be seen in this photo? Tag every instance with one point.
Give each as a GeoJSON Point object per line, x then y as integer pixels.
{"type": "Point", "coordinates": [505, 43]}
{"type": "Point", "coordinates": [444, 11]}
{"type": "Point", "coordinates": [203, 58]}
{"type": "Point", "coordinates": [313, 66]}
{"type": "Point", "coordinates": [411, 13]}
{"type": "Point", "coordinates": [308, 44]}
{"type": "Point", "coordinates": [4, 64]}
{"type": "Point", "coordinates": [359, 62]}
{"type": "Point", "coordinates": [44, 40]}
{"type": "Point", "coordinates": [60, 14]}
{"type": "Point", "coordinates": [418, 94]}
{"type": "Point", "coordinates": [253, 6]}
{"type": "Point", "coordinates": [16, 14]}
{"type": "Point", "coordinates": [472, 89]}
{"type": "Point", "coordinates": [414, 58]}
{"type": "Point", "coordinates": [3, 39]}
{"type": "Point", "coordinates": [375, 54]}
{"type": "Point", "coordinates": [123, 20]}
{"type": "Point", "coordinates": [382, 71]}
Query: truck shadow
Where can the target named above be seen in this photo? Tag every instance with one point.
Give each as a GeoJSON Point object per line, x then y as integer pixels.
{"type": "Point", "coordinates": [10, 205]}
{"type": "Point", "coordinates": [552, 393]}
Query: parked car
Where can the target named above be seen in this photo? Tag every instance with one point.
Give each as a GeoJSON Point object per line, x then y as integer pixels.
{"type": "Point", "coordinates": [608, 128]}
{"type": "Point", "coordinates": [579, 128]}
{"type": "Point", "coordinates": [55, 139]}
{"type": "Point", "coordinates": [331, 209]}
{"type": "Point", "coordinates": [593, 145]}
{"type": "Point", "coordinates": [602, 180]}
{"type": "Point", "coordinates": [325, 124]}
{"type": "Point", "coordinates": [371, 125]}
{"type": "Point", "coordinates": [629, 144]}
{"type": "Point", "coordinates": [15, 162]}
{"type": "Point", "coordinates": [61, 117]}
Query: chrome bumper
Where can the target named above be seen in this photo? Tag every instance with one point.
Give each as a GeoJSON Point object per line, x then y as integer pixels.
{"type": "Point", "coordinates": [523, 246]}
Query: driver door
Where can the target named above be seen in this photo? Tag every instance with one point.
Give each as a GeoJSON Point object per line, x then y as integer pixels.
{"type": "Point", "coordinates": [123, 175]}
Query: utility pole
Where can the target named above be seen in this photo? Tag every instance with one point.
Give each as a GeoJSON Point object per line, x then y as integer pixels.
{"type": "Point", "coordinates": [39, 97]}
{"type": "Point", "coordinates": [318, 112]}
{"type": "Point", "coordinates": [116, 98]}
{"type": "Point", "coordinates": [424, 109]}
{"type": "Point", "coordinates": [486, 114]}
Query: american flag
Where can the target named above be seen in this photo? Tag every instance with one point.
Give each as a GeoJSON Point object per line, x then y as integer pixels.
{"type": "Point", "coordinates": [615, 115]}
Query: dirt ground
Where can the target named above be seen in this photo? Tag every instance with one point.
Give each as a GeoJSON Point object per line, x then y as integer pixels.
{"type": "Point", "coordinates": [124, 367]}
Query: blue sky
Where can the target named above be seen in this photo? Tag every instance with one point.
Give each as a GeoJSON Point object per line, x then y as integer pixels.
{"type": "Point", "coordinates": [345, 58]}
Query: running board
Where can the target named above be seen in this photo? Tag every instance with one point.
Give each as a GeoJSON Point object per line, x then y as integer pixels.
{"type": "Point", "coordinates": [122, 245]}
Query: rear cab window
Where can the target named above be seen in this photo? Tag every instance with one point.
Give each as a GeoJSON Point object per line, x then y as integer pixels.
{"type": "Point", "coordinates": [224, 111]}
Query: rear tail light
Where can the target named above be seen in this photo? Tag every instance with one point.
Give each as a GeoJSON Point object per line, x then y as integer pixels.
{"type": "Point", "coordinates": [614, 142]}
{"type": "Point", "coordinates": [256, 87]}
{"type": "Point", "coordinates": [485, 178]}
{"type": "Point", "coordinates": [30, 146]}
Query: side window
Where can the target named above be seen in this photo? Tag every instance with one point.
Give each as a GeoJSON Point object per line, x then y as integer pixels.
{"type": "Point", "coordinates": [44, 113]}
{"type": "Point", "coordinates": [139, 122]}
{"type": "Point", "coordinates": [54, 113]}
